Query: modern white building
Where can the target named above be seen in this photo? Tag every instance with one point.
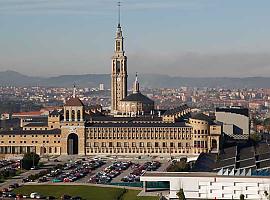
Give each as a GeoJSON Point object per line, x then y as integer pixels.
{"type": "Point", "coordinates": [206, 185]}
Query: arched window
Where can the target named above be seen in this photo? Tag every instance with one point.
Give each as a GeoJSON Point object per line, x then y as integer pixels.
{"type": "Point", "coordinates": [67, 115]}
{"type": "Point", "coordinates": [50, 149]}
{"type": "Point", "coordinates": [73, 115]}
{"type": "Point", "coordinates": [79, 115]}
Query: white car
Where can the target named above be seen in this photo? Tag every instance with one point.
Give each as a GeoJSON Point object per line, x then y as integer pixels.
{"type": "Point", "coordinates": [33, 195]}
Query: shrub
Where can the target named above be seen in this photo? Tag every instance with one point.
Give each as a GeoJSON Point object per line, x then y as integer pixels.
{"type": "Point", "coordinates": [29, 160]}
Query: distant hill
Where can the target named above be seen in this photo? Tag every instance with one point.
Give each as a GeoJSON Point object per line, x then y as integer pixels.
{"type": "Point", "coordinates": [12, 78]}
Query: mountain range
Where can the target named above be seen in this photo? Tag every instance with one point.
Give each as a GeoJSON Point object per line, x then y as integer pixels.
{"type": "Point", "coordinates": [12, 78]}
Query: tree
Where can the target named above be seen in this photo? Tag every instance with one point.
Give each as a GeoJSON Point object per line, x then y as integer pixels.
{"type": "Point", "coordinates": [181, 194]}
{"type": "Point", "coordinates": [242, 197]}
{"type": "Point", "coordinates": [255, 138]}
{"type": "Point", "coordinates": [30, 160]}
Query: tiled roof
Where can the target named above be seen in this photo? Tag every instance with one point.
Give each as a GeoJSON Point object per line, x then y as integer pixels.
{"type": "Point", "coordinates": [32, 113]}
{"type": "Point", "coordinates": [176, 110]}
{"type": "Point", "coordinates": [74, 102]}
{"type": "Point", "coordinates": [203, 117]}
{"type": "Point", "coordinates": [138, 97]}
{"type": "Point", "coordinates": [30, 132]}
{"type": "Point", "coordinates": [139, 125]}
{"type": "Point", "coordinates": [55, 113]}
{"type": "Point", "coordinates": [37, 124]}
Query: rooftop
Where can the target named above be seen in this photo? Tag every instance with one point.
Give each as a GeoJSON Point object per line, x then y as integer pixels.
{"type": "Point", "coordinates": [137, 124]}
{"type": "Point", "coordinates": [192, 174]}
{"type": "Point", "coordinates": [138, 97]}
{"type": "Point", "coordinates": [176, 110]}
{"type": "Point", "coordinates": [30, 132]}
{"type": "Point", "coordinates": [74, 102]}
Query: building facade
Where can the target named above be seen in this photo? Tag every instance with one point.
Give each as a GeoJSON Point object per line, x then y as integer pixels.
{"type": "Point", "coordinates": [75, 130]}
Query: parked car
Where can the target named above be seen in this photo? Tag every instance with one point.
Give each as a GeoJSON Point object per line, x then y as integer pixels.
{"type": "Point", "coordinates": [65, 197]}
{"type": "Point", "coordinates": [33, 195]}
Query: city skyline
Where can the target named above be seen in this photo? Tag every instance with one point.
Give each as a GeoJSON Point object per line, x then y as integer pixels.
{"type": "Point", "coordinates": [46, 38]}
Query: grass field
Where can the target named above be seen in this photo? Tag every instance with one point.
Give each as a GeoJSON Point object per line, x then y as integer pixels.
{"type": "Point", "coordinates": [86, 192]}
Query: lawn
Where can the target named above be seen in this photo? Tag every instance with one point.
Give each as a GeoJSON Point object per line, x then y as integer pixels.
{"type": "Point", "coordinates": [86, 192]}
{"type": "Point", "coordinates": [132, 195]}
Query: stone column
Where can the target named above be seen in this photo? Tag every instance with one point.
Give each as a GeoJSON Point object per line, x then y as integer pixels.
{"type": "Point", "coordinates": [65, 119]}
{"type": "Point", "coordinates": [76, 117]}
{"type": "Point", "coordinates": [70, 114]}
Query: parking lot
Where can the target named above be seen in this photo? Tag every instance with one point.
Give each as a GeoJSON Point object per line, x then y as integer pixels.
{"type": "Point", "coordinates": [94, 170]}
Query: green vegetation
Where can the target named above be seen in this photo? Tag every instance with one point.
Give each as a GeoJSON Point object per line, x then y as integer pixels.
{"type": "Point", "coordinates": [181, 194]}
{"type": "Point", "coordinates": [9, 173]}
{"type": "Point", "coordinates": [132, 195]}
{"type": "Point", "coordinates": [255, 138]}
{"type": "Point", "coordinates": [86, 192]}
{"type": "Point", "coordinates": [29, 160]}
{"type": "Point", "coordinates": [179, 166]}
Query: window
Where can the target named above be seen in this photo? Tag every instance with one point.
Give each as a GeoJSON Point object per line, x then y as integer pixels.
{"type": "Point", "coordinates": [79, 115]}
{"type": "Point", "coordinates": [67, 115]}
{"type": "Point", "coordinates": [156, 144]}
{"type": "Point", "coordinates": [73, 115]}
{"type": "Point", "coordinates": [164, 144]}
{"type": "Point", "coordinates": [118, 46]}
{"type": "Point", "coordinates": [195, 143]}
{"type": "Point", "coordinates": [141, 144]}
{"type": "Point", "coordinates": [133, 144]}
{"type": "Point", "coordinates": [110, 144]}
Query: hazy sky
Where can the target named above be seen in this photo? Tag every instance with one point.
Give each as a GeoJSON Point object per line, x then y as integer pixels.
{"type": "Point", "coordinates": [176, 37]}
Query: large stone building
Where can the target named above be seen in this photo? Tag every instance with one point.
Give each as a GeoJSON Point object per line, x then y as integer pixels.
{"type": "Point", "coordinates": [139, 130]}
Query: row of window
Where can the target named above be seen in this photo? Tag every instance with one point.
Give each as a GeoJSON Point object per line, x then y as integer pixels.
{"type": "Point", "coordinates": [31, 135]}
{"type": "Point", "coordinates": [24, 142]}
{"type": "Point", "coordinates": [136, 135]}
{"type": "Point", "coordinates": [200, 131]}
{"type": "Point", "coordinates": [139, 144]}
{"type": "Point", "coordinates": [73, 115]}
{"type": "Point", "coordinates": [112, 151]}
{"type": "Point", "coordinates": [146, 129]}
{"type": "Point", "coordinates": [200, 144]}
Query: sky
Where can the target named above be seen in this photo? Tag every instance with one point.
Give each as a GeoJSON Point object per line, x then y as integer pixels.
{"type": "Point", "coordinates": [189, 38]}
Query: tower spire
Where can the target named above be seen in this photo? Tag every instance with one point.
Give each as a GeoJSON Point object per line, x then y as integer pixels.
{"type": "Point", "coordinates": [119, 13]}
{"type": "Point", "coordinates": [74, 91]}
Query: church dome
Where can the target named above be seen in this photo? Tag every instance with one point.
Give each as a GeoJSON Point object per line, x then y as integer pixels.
{"type": "Point", "coordinates": [74, 102]}
{"type": "Point", "coordinates": [138, 97]}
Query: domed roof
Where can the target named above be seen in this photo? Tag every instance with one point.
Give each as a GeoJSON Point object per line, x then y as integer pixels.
{"type": "Point", "coordinates": [74, 102]}
{"type": "Point", "coordinates": [139, 97]}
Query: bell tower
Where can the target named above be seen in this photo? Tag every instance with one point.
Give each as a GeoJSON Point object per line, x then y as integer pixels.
{"type": "Point", "coordinates": [119, 69]}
